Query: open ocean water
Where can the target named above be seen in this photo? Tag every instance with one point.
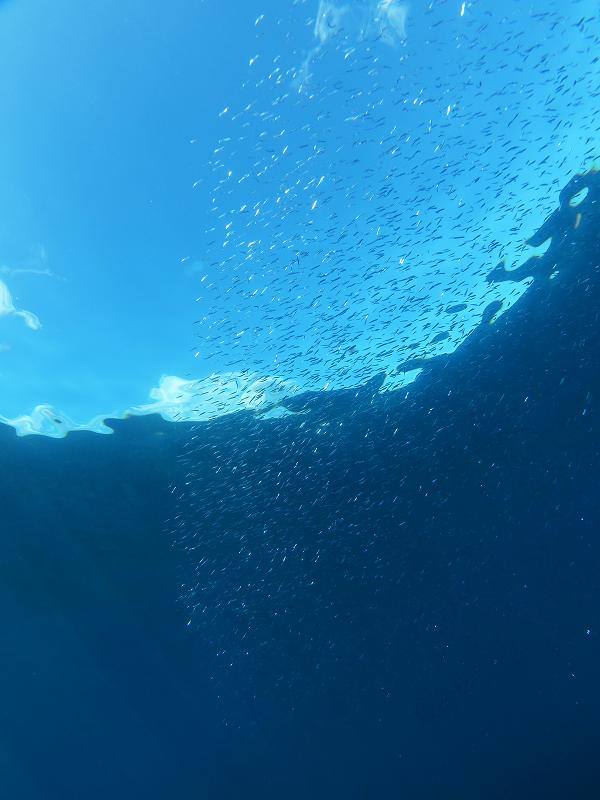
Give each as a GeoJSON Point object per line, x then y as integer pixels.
{"type": "Point", "coordinates": [300, 383]}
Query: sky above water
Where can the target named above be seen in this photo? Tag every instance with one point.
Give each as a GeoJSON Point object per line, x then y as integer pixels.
{"type": "Point", "coordinates": [209, 206]}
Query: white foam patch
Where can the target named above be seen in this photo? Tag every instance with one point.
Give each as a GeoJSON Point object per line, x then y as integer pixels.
{"type": "Point", "coordinates": [178, 399]}
{"type": "Point", "coordinates": [391, 19]}
{"type": "Point", "coordinates": [395, 381]}
{"type": "Point", "coordinates": [175, 400]}
{"type": "Point", "coordinates": [44, 420]}
{"type": "Point", "coordinates": [329, 20]}
{"type": "Point", "coordinates": [377, 19]}
{"type": "Point", "coordinates": [7, 309]}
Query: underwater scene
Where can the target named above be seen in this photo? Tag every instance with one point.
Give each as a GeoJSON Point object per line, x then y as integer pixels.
{"type": "Point", "coordinates": [300, 376]}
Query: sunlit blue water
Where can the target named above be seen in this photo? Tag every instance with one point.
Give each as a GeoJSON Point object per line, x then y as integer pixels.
{"type": "Point", "coordinates": [350, 549]}
{"type": "Point", "coordinates": [284, 193]}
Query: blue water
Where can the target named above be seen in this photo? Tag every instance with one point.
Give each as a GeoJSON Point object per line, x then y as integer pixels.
{"type": "Point", "coordinates": [326, 276]}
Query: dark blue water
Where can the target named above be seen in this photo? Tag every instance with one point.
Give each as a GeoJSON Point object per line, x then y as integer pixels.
{"type": "Point", "coordinates": [380, 596]}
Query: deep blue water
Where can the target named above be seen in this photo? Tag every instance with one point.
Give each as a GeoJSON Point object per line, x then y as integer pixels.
{"type": "Point", "coordinates": [381, 595]}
